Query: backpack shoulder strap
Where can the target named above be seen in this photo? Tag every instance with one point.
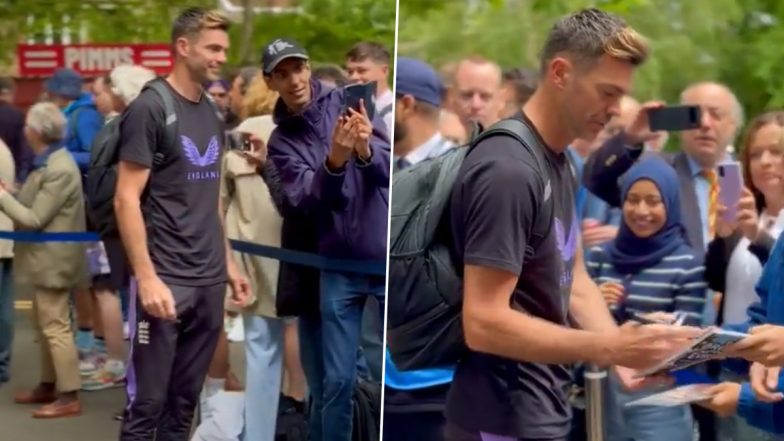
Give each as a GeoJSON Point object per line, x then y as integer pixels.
{"type": "Point", "coordinates": [385, 111]}
{"type": "Point", "coordinates": [170, 129]}
{"type": "Point", "coordinates": [524, 134]}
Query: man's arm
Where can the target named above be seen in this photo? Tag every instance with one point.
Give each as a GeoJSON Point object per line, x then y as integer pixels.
{"type": "Point", "coordinates": [305, 186]}
{"type": "Point", "coordinates": [493, 327]}
{"type": "Point", "coordinates": [586, 302]}
{"type": "Point", "coordinates": [605, 167]}
{"type": "Point", "coordinates": [131, 180]}
{"type": "Point", "coordinates": [378, 165]}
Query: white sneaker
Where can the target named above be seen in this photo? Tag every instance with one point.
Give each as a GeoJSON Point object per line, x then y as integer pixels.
{"type": "Point", "coordinates": [235, 329]}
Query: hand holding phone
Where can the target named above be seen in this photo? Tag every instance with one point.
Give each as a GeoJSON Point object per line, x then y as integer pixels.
{"type": "Point", "coordinates": [730, 177]}
{"type": "Point", "coordinates": [674, 118]}
{"type": "Point", "coordinates": [356, 94]}
{"type": "Point", "coordinates": [239, 141]}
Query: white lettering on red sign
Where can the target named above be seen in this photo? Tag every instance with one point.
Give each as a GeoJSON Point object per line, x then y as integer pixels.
{"type": "Point", "coordinates": [86, 59]}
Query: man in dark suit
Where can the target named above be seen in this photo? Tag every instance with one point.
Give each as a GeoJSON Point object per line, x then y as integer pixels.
{"type": "Point", "coordinates": [12, 130]}
{"type": "Point", "coordinates": [702, 150]}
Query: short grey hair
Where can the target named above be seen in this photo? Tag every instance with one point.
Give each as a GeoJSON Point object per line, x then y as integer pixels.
{"type": "Point", "coordinates": [127, 81]}
{"type": "Point", "coordinates": [48, 121]}
{"type": "Point", "coordinates": [737, 107]}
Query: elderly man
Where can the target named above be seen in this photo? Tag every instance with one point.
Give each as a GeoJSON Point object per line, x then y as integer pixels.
{"type": "Point", "coordinates": [50, 200]}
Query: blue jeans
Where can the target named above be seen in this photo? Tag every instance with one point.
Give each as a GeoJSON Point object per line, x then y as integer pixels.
{"type": "Point", "coordinates": [643, 423]}
{"type": "Point", "coordinates": [329, 346]}
{"type": "Point", "coordinates": [6, 317]}
{"type": "Point", "coordinates": [264, 353]}
{"type": "Point", "coordinates": [371, 337]}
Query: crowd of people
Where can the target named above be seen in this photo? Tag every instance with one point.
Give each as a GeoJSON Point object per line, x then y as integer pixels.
{"type": "Point", "coordinates": [268, 155]}
{"type": "Point", "coordinates": [636, 232]}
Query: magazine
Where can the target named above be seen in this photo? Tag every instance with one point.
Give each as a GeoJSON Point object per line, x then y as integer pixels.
{"type": "Point", "coordinates": [707, 347]}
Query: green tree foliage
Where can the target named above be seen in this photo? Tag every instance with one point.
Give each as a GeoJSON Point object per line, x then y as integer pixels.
{"type": "Point", "coordinates": [734, 41]}
{"type": "Point", "coordinates": [327, 28]}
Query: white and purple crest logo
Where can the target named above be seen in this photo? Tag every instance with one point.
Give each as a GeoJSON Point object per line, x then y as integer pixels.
{"type": "Point", "coordinates": [209, 158]}
{"type": "Point", "coordinates": [567, 246]}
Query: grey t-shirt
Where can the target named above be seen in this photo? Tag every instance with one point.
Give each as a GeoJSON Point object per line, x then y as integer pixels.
{"type": "Point", "coordinates": [495, 199]}
{"type": "Point", "coordinates": [184, 232]}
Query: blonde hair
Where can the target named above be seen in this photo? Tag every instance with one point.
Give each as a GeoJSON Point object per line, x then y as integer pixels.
{"type": "Point", "coordinates": [259, 99]}
{"type": "Point", "coordinates": [589, 34]}
{"type": "Point", "coordinates": [194, 20]}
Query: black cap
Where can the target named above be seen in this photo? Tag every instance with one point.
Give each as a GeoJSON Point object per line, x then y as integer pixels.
{"type": "Point", "coordinates": [278, 50]}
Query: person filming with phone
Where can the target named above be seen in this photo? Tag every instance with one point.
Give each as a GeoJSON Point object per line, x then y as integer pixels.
{"type": "Point", "coordinates": [709, 118]}
{"type": "Point", "coordinates": [332, 153]}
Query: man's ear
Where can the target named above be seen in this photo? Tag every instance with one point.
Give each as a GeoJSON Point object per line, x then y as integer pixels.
{"type": "Point", "coordinates": [559, 71]}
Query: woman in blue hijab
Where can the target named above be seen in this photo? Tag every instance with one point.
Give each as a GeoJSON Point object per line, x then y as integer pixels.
{"type": "Point", "coordinates": [648, 268]}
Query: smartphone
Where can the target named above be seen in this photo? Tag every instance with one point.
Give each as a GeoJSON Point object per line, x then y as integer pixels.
{"type": "Point", "coordinates": [730, 188]}
{"type": "Point", "coordinates": [355, 92]}
{"type": "Point", "coordinates": [239, 141]}
{"type": "Point", "coordinates": [674, 118]}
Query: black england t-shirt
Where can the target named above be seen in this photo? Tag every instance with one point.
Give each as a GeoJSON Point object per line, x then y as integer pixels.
{"type": "Point", "coordinates": [494, 202]}
{"type": "Point", "coordinates": [185, 236]}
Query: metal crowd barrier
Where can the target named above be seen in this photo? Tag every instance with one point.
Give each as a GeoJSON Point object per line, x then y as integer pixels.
{"type": "Point", "coordinates": [594, 403]}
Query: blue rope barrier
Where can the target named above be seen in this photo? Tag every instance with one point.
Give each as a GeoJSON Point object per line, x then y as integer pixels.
{"type": "Point", "coordinates": [368, 267]}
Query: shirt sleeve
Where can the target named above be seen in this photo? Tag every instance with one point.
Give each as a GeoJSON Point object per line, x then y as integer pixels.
{"type": "Point", "coordinates": [141, 129]}
{"type": "Point", "coordinates": [498, 208]}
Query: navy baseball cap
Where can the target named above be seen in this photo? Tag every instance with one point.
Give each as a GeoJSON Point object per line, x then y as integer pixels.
{"type": "Point", "coordinates": [278, 50]}
{"type": "Point", "coordinates": [418, 79]}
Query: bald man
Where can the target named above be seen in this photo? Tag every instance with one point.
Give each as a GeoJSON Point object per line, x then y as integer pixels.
{"type": "Point", "coordinates": [478, 92]}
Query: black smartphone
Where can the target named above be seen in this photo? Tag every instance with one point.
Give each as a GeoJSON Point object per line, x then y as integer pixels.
{"type": "Point", "coordinates": [674, 118]}
{"type": "Point", "coordinates": [239, 141]}
{"type": "Point", "coordinates": [355, 92]}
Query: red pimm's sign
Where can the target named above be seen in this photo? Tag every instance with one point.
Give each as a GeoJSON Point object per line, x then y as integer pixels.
{"type": "Point", "coordinates": [40, 60]}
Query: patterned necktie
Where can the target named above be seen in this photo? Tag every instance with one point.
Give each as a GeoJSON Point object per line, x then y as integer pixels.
{"type": "Point", "coordinates": [713, 199]}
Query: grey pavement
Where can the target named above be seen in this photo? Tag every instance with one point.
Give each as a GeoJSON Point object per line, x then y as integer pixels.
{"type": "Point", "coordinates": [98, 408]}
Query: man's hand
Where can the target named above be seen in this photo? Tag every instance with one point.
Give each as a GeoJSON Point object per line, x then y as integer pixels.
{"type": "Point", "coordinates": [765, 383]}
{"type": "Point", "coordinates": [257, 156]}
{"type": "Point", "coordinates": [638, 131]}
{"type": "Point", "coordinates": [612, 292]}
{"type": "Point", "coordinates": [343, 141]}
{"type": "Point", "coordinates": [157, 298]}
{"type": "Point", "coordinates": [629, 380]}
{"type": "Point", "coordinates": [643, 346]}
{"type": "Point", "coordinates": [765, 345]}
{"type": "Point", "coordinates": [597, 235]}
{"type": "Point", "coordinates": [362, 129]}
{"type": "Point", "coordinates": [748, 218]}
{"type": "Point", "coordinates": [724, 401]}
{"type": "Point", "coordinates": [240, 287]}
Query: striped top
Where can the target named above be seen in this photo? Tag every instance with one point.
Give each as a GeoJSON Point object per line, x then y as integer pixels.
{"type": "Point", "coordinates": [675, 284]}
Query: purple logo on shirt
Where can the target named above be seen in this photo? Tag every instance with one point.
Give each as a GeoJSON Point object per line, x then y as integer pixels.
{"type": "Point", "coordinates": [567, 246]}
{"type": "Point", "coordinates": [210, 157]}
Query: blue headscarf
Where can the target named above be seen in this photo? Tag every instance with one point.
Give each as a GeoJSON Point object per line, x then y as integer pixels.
{"type": "Point", "coordinates": [630, 254]}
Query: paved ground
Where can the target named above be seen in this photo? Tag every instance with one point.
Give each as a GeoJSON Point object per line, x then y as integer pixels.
{"type": "Point", "coordinates": [96, 422]}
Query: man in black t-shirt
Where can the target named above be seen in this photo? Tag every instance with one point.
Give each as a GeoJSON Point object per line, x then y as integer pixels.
{"type": "Point", "coordinates": [519, 300]}
{"type": "Point", "coordinates": [177, 248]}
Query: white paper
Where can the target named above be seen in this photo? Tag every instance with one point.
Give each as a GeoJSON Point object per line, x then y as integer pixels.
{"type": "Point", "coordinates": [707, 347]}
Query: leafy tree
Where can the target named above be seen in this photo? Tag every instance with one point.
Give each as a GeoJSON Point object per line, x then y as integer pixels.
{"type": "Point", "coordinates": [327, 28]}
{"type": "Point", "coordinates": [733, 41]}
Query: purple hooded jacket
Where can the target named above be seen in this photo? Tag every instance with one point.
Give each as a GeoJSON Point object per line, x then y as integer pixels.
{"type": "Point", "coordinates": [350, 209]}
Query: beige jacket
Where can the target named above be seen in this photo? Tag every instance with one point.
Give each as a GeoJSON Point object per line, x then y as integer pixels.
{"type": "Point", "coordinates": [251, 216]}
{"type": "Point", "coordinates": [8, 175]}
{"type": "Point", "coordinates": [49, 201]}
